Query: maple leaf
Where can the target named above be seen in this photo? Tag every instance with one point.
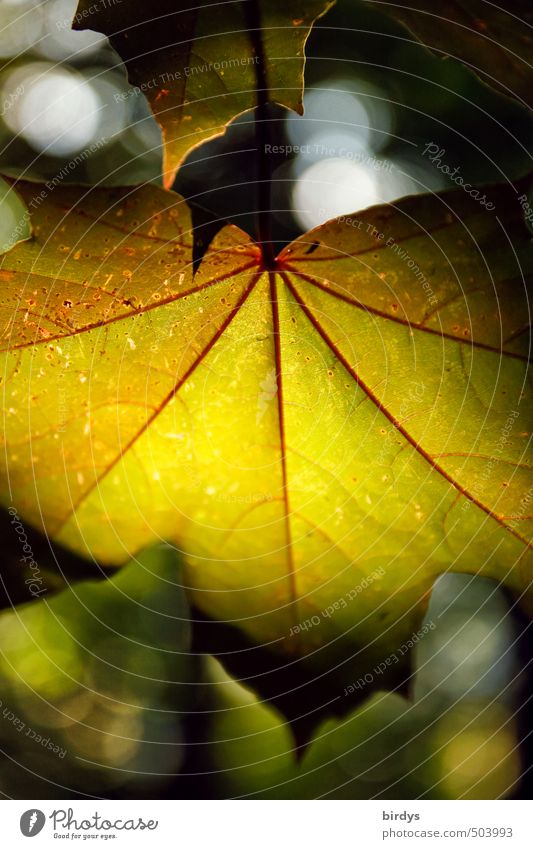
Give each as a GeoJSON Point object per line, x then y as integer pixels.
{"type": "Point", "coordinates": [321, 439]}
{"type": "Point", "coordinates": [202, 66]}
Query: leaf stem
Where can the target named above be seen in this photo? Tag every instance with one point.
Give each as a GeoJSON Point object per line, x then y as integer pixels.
{"type": "Point", "coordinates": [262, 136]}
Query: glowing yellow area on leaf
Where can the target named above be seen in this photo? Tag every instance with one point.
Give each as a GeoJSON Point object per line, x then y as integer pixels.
{"type": "Point", "coordinates": [321, 441]}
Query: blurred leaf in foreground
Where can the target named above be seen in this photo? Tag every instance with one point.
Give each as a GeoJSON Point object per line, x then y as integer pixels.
{"type": "Point", "coordinates": [389, 748]}
{"type": "Point", "coordinates": [94, 682]}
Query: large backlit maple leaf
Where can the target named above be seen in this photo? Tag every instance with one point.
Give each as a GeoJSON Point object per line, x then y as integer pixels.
{"type": "Point", "coordinates": [322, 439]}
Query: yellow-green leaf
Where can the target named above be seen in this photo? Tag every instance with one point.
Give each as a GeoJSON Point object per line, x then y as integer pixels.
{"type": "Point", "coordinates": [322, 440]}
{"type": "Point", "coordinates": [201, 66]}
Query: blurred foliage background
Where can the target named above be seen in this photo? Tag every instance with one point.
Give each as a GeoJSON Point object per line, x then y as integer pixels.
{"type": "Point", "coordinates": [109, 687]}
